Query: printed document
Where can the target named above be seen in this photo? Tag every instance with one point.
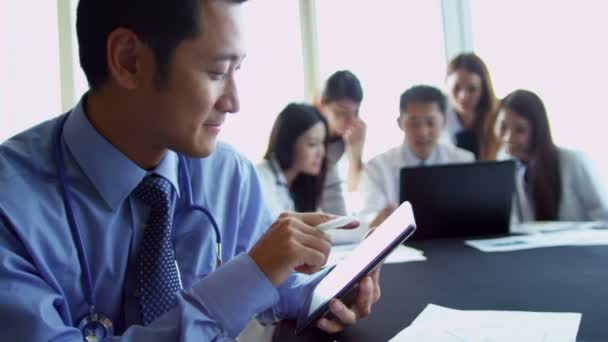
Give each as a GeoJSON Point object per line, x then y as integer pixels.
{"type": "Point", "coordinates": [440, 324]}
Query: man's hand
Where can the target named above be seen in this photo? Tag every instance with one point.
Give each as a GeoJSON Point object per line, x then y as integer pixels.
{"type": "Point", "coordinates": [291, 244]}
{"type": "Point", "coordinates": [354, 138]}
{"type": "Point", "coordinates": [369, 294]}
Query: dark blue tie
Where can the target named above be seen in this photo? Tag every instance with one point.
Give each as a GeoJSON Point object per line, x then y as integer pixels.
{"type": "Point", "coordinates": [157, 272]}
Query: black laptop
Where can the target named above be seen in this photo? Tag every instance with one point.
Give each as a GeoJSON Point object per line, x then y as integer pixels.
{"type": "Point", "coordinates": [459, 200]}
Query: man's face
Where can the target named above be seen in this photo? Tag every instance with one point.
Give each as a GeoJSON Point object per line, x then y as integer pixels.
{"type": "Point", "coordinates": [186, 114]}
{"type": "Point", "coordinates": [341, 115]}
{"type": "Point", "coordinates": [422, 124]}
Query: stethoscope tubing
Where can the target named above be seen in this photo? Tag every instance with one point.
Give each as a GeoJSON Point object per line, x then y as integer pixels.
{"type": "Point", "coordinates": [73, 223]}
{"type": "Point", "coordinates": [67, 203]}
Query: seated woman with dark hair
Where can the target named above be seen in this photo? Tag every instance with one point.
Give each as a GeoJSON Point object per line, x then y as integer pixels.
{"type": "Point", "coordinates": [293, 172]}
{"type": "Point", "coordinates": [553, 183]}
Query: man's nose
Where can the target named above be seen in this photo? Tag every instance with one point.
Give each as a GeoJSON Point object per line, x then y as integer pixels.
{"type": "Point", "coordinates": [229, 101]}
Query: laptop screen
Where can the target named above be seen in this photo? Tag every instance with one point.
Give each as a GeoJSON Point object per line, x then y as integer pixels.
{"type": "Point", "coordinates": [459, 200]}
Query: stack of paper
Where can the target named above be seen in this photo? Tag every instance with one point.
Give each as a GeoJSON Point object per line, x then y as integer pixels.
{"type": "Point", "coordinates": [400, 254]}
{"type": "Point", "coordinates": [547, 235]}
{"type": "Point", "coordinates": [439, 324]}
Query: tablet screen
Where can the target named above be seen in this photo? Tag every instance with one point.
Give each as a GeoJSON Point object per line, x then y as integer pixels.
{"type": "Point", "coordinates": [362, 260]}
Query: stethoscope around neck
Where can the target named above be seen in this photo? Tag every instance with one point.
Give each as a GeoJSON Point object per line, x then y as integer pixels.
{"type": "Point", "coordinates": [96, 326]}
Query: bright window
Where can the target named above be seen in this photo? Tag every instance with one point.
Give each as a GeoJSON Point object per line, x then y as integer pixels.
{"type": "Point", "coordinates": [390, 46]}
{"type": "Point", "coordinates": [271, 75]}
{"type": "Point", "coordinates": [29, 65]}
{"type": "Point", "coordinates": [556, 49]}
{"type": "Point", "coordinates": [80, 80]}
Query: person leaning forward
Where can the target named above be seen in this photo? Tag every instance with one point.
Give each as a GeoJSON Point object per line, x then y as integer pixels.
{"type": "Point", "coordinates": [136, 153]}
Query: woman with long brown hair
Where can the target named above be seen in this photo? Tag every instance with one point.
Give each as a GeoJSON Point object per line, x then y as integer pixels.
{"type": "Point", "coordinates": [473, 105]}
{"type": "Point", "coordinates": [553, 183]}
{"type": "Point", "coordinates": [293, 172]}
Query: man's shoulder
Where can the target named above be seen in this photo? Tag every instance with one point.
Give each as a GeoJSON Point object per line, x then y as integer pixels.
{"type": "Point", "coordinates": [226, 153]}
{"type": "Point", "coordinates": [27, 155]}
{"type": "Point", "coordinates": [388, 157]}
{"type": "Point", "coordinates": [27, 169]}
{"type": "Point", "coordinates": [224, 160]}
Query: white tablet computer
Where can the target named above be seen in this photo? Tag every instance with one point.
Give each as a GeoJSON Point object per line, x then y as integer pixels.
{"type": "Point", "coordinates": [370, 253]}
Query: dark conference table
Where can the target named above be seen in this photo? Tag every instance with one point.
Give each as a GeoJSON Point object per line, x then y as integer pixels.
{"type": "Point", "coordinates": [556, 279]}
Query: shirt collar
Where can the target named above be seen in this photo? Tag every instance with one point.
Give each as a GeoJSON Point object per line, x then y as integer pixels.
{"type": "Point", "coordinates": [412, 160]}
{"type": "Point", "coordinates": [113, 174]}
{"type": "Point", "coordinates": [276, 169]}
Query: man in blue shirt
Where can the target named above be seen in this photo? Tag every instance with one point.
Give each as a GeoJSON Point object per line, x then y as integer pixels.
{"type": "Point", "coordinates": [161, 75]}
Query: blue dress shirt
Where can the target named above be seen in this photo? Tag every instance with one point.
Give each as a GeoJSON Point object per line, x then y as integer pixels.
{"type": "Point", "coordinates": [41, 281]}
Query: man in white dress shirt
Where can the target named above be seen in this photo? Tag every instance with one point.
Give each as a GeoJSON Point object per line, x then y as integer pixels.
{"type": "Point", "coordinates": [422, 119]}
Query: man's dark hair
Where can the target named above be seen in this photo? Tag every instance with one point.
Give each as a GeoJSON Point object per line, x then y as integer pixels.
{"type": "Point", "coordinates": [422, 94]}
{"type": "Point", "coordinates": [342, 85]}
{"type": "Point", "coordinates": [161, 24]}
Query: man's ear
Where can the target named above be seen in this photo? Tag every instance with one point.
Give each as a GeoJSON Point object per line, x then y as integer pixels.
{"type": "Point", "coordinates": [125, 58]}
{"type": "Point", "coordinates": [322, 106]}
{"type": "Point", "coordinates": [322, 103]}
{"type": "Point", "coordinates": [400, 122]}
{"type": "Point", "coordinates": [317, 99]}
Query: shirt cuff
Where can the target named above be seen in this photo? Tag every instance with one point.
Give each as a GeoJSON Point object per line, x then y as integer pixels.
{"type": "Point", "coordinates": [236, 292]}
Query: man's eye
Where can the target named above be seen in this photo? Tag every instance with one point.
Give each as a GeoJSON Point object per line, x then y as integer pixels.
{"type": "Point", "coordinates": [217, 75]}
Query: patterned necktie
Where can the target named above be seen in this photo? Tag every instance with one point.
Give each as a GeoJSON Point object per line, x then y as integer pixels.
{"type": "Point", "coordinates": [158, 278]}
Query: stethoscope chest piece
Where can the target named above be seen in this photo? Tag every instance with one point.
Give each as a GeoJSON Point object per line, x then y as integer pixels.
{"type": "Point", "coordinates": [96, 327]}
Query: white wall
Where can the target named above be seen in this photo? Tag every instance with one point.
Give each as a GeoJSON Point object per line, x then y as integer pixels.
{"type": "Point", "coordinates": [271, 75]}
{"type": "Point", "coordinates": [390, 46]}
{"type": "Point", "coordinates": [556, 49]}
{"type": "Point", "coordinates": [29, 65]}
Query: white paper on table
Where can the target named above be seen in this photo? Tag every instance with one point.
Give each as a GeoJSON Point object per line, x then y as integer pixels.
{"type": "Point", "coordinates": [400, 254]}
{"type": "Point", "coordinates": [583, 236]}
{"type": "Point", "coordinates": [405, 254]}
{"type": "Point", "coordinates": [434, 334]}
{"type": "Point", "coordinates": [539, 227]}
{"type": "Point", "coordinates": [436, 323]}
